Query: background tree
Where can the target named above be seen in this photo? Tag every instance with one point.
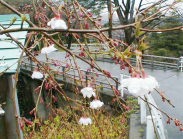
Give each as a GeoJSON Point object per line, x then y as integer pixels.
{"type": "Point", "coordinates": [168, 43]}
{"type": "Point", "coordinates": [94, 6]}
{"type": "Point", "coordinates": [150, 14]}
{"type": "Point", "coordinates": [18, 4]}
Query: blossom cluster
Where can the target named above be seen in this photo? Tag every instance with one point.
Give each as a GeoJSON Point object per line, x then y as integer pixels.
{"type": "Point", "coordinates": [88, 92]}
{"type": "Point", "coordinates": [48, 49]}
{"type": "Point", "coordinates": [140, 86]}
{"type": "Point", "coordinates": [85, 121]}
{"type": "Point", "coordinates": [2, 112]}
{"type": "Point", "coordinates": [54, 23]}
{"type": "Point", "coordinates": [37, 75]}
{"type": "Point", "coordinates": [57, 23]}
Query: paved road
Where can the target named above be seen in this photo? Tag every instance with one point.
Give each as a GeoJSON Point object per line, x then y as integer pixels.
{"type": "Point", "coordinates": [172, 83]}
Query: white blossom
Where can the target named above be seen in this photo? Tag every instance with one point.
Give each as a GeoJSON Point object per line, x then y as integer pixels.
{"type": "Point", "coordinates": [3, 64]}
{"type": "Point", "coordinates": [36, 75]}
{"type": "Point", "coordinates": [85, 121]}
{"type": "Point", "coordinates": [140, 86]}
{"type": "Point", "coordinates": [2, 112]}
{"type": "Point", "coordinates": [48, 49]}
{"type": "Point", "coordinates": [150, 83]}
{"type": "Point", "coordinates": [95, 104]}
{"type": "Point", "coordinates": [57, 23]}
{"type": "Point", "coordinates": [88, 92]}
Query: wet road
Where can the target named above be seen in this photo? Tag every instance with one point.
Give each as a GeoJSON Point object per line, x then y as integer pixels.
{"type": "Point", "coordinates": [171, 82]}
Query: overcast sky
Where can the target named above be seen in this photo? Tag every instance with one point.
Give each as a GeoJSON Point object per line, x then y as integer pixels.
{"type": "Point", "coordinates": [104, 13]}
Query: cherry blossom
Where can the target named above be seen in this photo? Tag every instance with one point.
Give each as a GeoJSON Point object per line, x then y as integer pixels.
{"type": "Point", "coordinates": [3, 63]}
{"type": "Point", "coordinates": [140, 86]}
{"type": "Point", "coordinates": [96, 104]}
{"type": "Point", "coordinates": [36, 75]}
{"type": "Point", "coordinates": [57, 23]}
{"type": "Point", "coordinates": [2, 112]}
{"type": "Point", "coordinates": [85, 121]}
{"type": "Point", "coordinates": [48, 49]}
{"type": "Point", "coordinates": [88, 92]}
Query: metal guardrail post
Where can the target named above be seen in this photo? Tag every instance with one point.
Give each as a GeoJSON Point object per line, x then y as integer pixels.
{"type": "Point", "coordinates": [116, 83]}
{"type": "Point", "coordinates": [152, 62]}
{"type": "Point", "coordinates": [178, 64]}
{"type": "Point", "coordinates": [142, 112]}
{"type": "Point", "coordinates": [86, 75]}
{"type": "Point", "coordinates": [165, 67]}
{"type": "Point", "coordinates": [121, 87]}
{"type": "Point", "coordinates": [150, 133]}
{"type": "Point", "coordinates": [63, 70]}
{"type": "Point", "coordinates": [181, 63]}
{"type": "Point", "coordinates": [31, 63]}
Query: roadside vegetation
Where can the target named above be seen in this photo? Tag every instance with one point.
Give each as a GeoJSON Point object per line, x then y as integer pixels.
{"type": "Point", "coordinates": [110, 124]}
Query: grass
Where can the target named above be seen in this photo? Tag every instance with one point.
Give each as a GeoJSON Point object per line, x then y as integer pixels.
{"type": "Point", "coordinates": [106, 124]}
{"type": "Point", "coordinates": [65, 126]}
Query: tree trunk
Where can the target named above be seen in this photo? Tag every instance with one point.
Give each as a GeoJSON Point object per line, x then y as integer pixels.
{"type": "Point", "coordinates": [109, 4]}
{"type": "Point", "coordinates": [125, 15]}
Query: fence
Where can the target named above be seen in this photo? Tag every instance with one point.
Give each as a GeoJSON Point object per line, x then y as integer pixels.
{"type": "Point", "coordinates": [75, 76]}
{"type": "Point", "coordinates": [153, 121]}
{"type": "Point", "coordinates": [150, 61]}
{"type": "Point", "coordinates": [160, 61]}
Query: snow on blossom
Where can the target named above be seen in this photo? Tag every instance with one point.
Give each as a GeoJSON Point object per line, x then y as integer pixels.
{"type": "Point", "coordinates": [88, 92]}
{"type": "Point", "coordinates": [3, 64]}
{"type": "Point", "coordinates": [96, 104]}
{"type": "Point", "coordinates": [57, 23]}
{"type": "Point", "coordinates": [48, 49]}
{"type": "Point", "coordinates": [85, 121]}
{"type": "Point", "coordinates": [36, 75]}
{"type": "Point", "coordinates": [150, 83]}
{"type": "Point", "coordinates": [2, 112]}
{"type": "Point", "coordinates": [140, 86]}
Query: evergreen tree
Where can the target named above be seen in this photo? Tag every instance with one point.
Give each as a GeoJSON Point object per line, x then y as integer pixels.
{"type": "Point", "coordinates": [168, 43]}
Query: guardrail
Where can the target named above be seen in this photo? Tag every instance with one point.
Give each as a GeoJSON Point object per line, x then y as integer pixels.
{"type": "Point", "coordinates": [153, 121]}
{"type": "Point", "coordinates": [160, 61]}
{"type": "Point", "coordinates": [151, 61]}
{"type": "Point", "coordinates": [80, 77]}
